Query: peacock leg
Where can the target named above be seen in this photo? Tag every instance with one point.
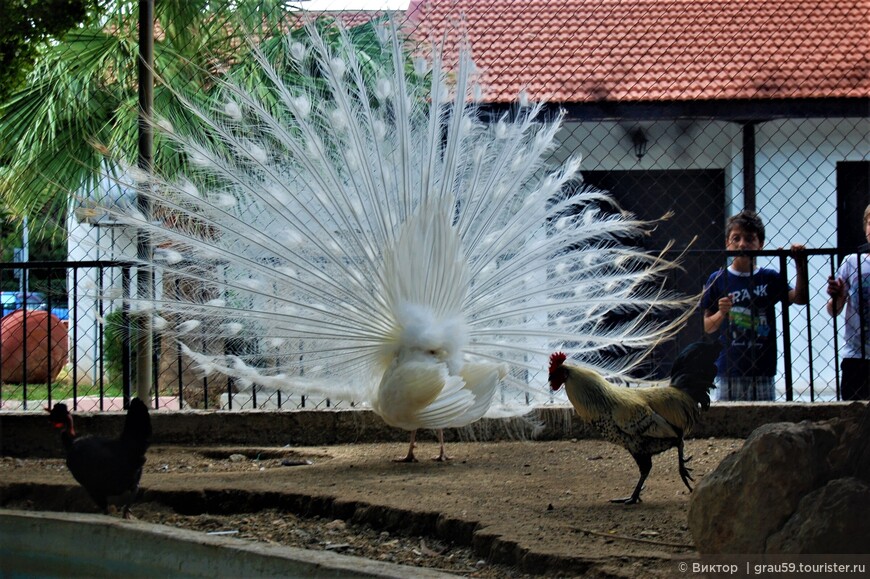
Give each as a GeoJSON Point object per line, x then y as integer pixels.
{"type": "Point", "coordinates": [685, 472]}
{"type": "Point", "coordinates": [410, 457]}
{"type": "Point", "coordinates": [442, 456]}
{"type": "Point", "coordinates": [644, 463]}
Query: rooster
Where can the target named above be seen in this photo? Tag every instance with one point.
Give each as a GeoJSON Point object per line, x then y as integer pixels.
{"type": "Point", "coordinates": [107, 468]}
{"type": "Point", "coordinates": [645, 421]}
{"type": "Point", "coordinates": [372, 236]}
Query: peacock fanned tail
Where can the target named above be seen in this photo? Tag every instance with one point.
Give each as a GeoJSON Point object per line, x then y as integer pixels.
{"type": "Point", "coordinates": [298, 250]}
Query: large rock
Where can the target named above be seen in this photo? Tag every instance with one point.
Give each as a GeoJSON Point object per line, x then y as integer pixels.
{"type": "Point", "coordinates": [753, 492]}
{"type": "Point", "coordinates": [44, 360]}
{"type": "Point", "coordinates": [832, 519]}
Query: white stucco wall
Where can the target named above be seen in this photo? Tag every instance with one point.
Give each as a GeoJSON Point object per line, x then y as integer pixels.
{"type": "Point", "coordinates": [87, 242]}
{"type": "Point", "coordinates": [796, 196]}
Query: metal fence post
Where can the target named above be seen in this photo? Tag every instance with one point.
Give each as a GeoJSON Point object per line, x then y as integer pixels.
{"type": "Point", "coordinates": [144, 276]}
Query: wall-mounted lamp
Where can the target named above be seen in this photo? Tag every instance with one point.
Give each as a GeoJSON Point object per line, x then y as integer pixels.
{"type": "Point", "coordinates": [639, 140]}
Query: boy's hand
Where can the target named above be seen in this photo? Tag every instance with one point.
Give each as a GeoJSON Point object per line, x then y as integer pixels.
{"type": "Point", "coordinates": [725, 304]}
{"type": "Point", "coordinates": [837, 291]}
{"type": "Point", "coordinates": [798, 254]}
{"type": "Point", "coordinates": [836, 288]}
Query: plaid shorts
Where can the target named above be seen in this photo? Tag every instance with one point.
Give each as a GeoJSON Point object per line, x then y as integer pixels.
{"type": "Point", "coordinates": [746, 388]}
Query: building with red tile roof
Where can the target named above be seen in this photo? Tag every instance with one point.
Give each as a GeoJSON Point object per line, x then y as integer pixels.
{"type": "Point", "coordinates": [761, 104]}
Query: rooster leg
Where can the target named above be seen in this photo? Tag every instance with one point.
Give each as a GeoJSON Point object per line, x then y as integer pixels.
{"type": "Point", "coordinates": [644, 463]}
{"type": "Point", "coordinates": [410, 457]}
{"type": "Point", "coordinates": [442, 456]}
{"type": "Point", "coordinates": [685, 472]}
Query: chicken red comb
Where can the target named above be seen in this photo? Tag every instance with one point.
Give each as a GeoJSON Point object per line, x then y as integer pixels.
{"type": "Point", "coordinates": [556, 360]}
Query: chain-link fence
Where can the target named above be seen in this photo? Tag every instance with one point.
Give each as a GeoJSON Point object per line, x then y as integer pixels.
{"type": "Point", "coordinates": [693, 110]}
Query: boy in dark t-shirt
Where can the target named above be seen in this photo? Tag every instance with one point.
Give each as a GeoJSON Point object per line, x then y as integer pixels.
{"type": "Point", "coordinates": [738, 302]}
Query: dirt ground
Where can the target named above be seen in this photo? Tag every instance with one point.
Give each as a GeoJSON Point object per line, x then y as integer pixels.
{"type": "Point", "coordinates": [506, 509]}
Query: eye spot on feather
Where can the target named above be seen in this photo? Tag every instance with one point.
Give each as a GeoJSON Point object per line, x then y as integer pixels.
{"type": "Point", "coordinates": [188, 326]}
{"type": "Point", "coordinates": [112, 293]}
{"type": "Point", "coordinates": [297, 51]}
{"type": "Point", "coordinates": [301, 105]}
{"type": "Point", "coordinates": [258, 153]}
{"type": "Point", "coordinates": [189, 188]}
{"type": "Point", "coordinates": [383, 89]}
{"type": "Point", "coordinates": [233, 111]}
{"type": "Point", "coordinates": [198, 158]}
{"type": "Point", "coordinates": [523, 98]}
{"type": "Point", "coordinates": [225, 201]}
{"type": "Point", "coordinates": [232, 328]}
{"type": "Point", "coordinates": [338, 67]}
{"type": "Point", "coordinates": [421, 66]}
{"type": "Point", "coordinates": [338, 119]}
{"type": "Point", "coordinates": [380, 129]}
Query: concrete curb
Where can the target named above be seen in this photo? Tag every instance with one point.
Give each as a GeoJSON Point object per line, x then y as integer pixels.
{"type": "Point", "coordinates": [26, 434]}
{"type": "Point", "coordinates": [81, 545]}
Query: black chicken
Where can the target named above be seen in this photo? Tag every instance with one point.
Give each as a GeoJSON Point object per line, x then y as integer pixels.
{"type": "Point", "coordinates": [645, 421]}
{"type": "Point", "coordinates": [107, 468]}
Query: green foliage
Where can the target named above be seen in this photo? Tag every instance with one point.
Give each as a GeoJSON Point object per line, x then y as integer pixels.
{"type": "Point", "coordinates": [25, 29]}
{"type": "Point", "coordinates": [59, 391]}
{"type": "Point", "coordinates": [113, 349]}
{"type": "Point", "coordinates": [81, 96]}
{"type": "Point", "coordinates": [51, 247]}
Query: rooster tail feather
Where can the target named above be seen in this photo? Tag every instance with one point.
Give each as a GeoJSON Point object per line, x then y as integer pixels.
{"type": "Point", "coordinates": [694, 371]}
{"type": "Point", "coordinates": [137, 427]}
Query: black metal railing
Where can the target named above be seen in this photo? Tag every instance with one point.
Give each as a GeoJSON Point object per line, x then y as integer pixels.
{"type": "Point", "coordinates": [99, 367]}
{"type": "Point", "coordinates": [822, 264]}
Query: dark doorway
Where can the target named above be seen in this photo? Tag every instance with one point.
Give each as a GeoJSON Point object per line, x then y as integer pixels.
{"type": "Point", "coordinates": [853, 196]}
{"type": "Point", "coordinates": [697, 200]}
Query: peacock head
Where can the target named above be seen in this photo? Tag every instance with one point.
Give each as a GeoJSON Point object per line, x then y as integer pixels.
{"type": "Point", "coordinates": [558, 373]}
{"type": "Point", "coordinates": [425, 335]}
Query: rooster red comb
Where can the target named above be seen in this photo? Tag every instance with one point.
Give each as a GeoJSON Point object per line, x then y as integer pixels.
{"type": "Point", "coordinates": [556, 360]}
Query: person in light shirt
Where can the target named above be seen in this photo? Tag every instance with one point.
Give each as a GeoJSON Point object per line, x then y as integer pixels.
{"type": "Point", "coordinates": [850, 289]}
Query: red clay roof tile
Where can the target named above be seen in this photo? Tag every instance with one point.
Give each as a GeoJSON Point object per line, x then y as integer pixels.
{"type": "Point", "coordinates": [648, 50]}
